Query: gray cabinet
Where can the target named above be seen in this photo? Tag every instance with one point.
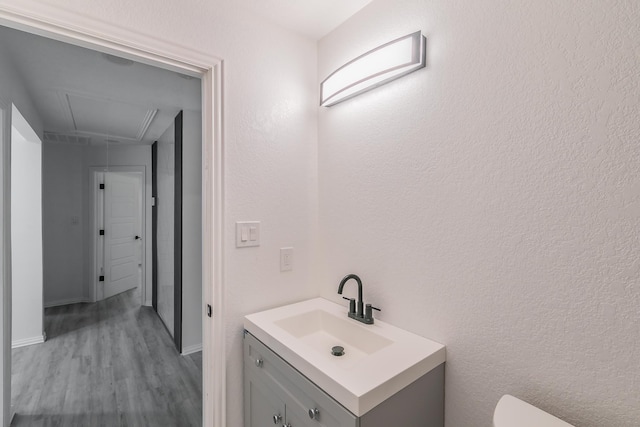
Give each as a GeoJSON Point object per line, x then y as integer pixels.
{"type": "Point", "coordinates": [277, 394]}
{"type": "Point", "coordinates": [265, 406]}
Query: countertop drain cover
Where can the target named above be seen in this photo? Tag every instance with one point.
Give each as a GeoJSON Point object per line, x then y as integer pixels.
{"type": "Point", "coordinates": [337, 350]}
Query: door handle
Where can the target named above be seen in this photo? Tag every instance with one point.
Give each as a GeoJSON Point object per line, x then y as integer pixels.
{"type": "Point", "coordinates": [137, 237]}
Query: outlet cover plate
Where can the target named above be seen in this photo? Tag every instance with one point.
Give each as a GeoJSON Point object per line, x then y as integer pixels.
{"type": "Point", "coordinates": [286, 259]}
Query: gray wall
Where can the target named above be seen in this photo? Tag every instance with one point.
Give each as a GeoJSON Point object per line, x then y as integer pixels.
{"type": "Point", "coordinates": [65, 251]}
{"type": "Point", "coordinates": [192, 308]}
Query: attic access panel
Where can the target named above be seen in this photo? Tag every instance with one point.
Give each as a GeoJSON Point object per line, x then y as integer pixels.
{"type": "Point", "coordinates": [110, 118]}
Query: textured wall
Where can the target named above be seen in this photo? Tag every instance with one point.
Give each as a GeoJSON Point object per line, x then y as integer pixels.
{"type": "Point", "coordinates": [270, 134]}
{"type": "Point", "coordinates": [492, 201]}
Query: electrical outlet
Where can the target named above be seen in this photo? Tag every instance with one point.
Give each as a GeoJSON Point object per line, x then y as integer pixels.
{"type": "Point", "coordinates": [286, 259]}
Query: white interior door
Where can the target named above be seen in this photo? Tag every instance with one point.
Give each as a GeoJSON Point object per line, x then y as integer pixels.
{"type": "Point", "coordinates": [122, 237]}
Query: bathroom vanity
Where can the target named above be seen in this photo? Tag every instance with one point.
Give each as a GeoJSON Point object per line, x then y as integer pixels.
{"type": "Point", "coordinates": [385, 377]}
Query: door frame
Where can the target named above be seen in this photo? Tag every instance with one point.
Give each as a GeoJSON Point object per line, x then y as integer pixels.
{"type": "Point", "coordinates": [177, 231]}
{"type": "Point", "coordinates": [68, 26]}
{"type": "Point", "coordinates": [154, 226]}
{"type": "Point", "coordinates": [5, 260]}
{"type": "Point", "coordinates": [94, 194]}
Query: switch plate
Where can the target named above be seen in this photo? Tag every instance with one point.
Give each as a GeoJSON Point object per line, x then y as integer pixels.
{"type": "Point", "coordinates": [247, 234]}
{"type": "Point", "coordinates": [286, 259]}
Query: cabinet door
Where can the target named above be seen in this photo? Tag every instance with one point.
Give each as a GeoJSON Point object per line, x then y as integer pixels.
{"type": "Point", "coordinates": [293, 420]}
{"type": "Point", "coordinates": [261, 407]}
{"type": "Point", "coordinates": [297, 392]}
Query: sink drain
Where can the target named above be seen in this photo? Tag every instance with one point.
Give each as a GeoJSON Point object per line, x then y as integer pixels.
{"type": "Point", "coordinates": [337, 350]}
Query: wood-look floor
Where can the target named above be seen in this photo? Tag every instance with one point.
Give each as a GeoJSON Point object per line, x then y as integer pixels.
{"type": "Point", "coordinates": [107, 364]}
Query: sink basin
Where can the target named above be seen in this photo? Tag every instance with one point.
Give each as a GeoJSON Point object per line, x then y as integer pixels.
{"type": "Point", "coordinates": [322, 331]}
{"type": "Point", "coordinates": [378, 361]}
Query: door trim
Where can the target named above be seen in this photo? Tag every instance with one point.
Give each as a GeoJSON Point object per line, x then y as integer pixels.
{"type": "Point", "coordinates": [95, 225]}
{"type": "Point", "coordinates": [177, 232]}
{"type": "Point", "coordinates": [71, 27]}
{"type": "Point", "coordinates": [5, 261]}
{"type": "Point", "coordinates": [154, 226]}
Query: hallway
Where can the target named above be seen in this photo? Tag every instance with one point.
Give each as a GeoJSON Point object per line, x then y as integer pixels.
{"type": "Point", "coordinates": [107, 364]}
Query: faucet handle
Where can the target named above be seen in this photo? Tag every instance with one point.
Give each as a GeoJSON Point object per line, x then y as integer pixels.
{"type": "Point", "coordinates": [368, 312]}
{"type": "Point", "coordinates": [352, 305]}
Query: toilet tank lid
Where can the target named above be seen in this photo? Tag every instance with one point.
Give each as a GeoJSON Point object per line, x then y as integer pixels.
{"type": "Point", "coordinates": [513, 412]}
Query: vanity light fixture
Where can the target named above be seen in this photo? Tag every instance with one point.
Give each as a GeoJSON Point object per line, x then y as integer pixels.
{"type": "Point", "coordinates": [375, 68]}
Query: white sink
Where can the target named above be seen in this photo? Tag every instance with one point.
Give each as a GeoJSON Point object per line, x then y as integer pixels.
{"type": "Point", "coordinates": [379, 360]}
{"type": "Point", "coordinates": [322, 331]}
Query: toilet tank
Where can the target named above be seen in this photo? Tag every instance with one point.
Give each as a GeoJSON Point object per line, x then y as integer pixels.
{"type": "Point", "coordinates": [513, 412]}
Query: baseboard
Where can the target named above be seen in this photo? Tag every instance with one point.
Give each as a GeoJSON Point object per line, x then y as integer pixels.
{"type": "Point", "coordinates": [191, 349]}
{"type": "Point", "coordinates": [28, 341]}
{"type": "Point", "coordinates": [66, 302]}
{"type": "Point", "coordinates": [148, 303]}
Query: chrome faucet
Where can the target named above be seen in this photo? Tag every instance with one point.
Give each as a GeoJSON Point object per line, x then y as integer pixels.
{"type": "Point", "coordinates": [360, 315]}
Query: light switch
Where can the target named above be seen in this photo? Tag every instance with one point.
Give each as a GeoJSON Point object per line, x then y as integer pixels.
{"type": "Point", "coordinates": [286, 259]}
{"type": "Point", "coordinates": [247, 234]}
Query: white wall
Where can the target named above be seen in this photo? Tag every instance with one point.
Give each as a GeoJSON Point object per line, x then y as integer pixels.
{"type": "Point", "coordinates": [26, 234]}
{"type": "Point", "coordinates": [491, 201]}
{"type": "Point", "coordinates": [165, 206]}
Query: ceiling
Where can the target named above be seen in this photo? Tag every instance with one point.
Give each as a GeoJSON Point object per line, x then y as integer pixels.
{"type": "Point", "coordinates": [313, 18]}
{"type": "Point", "coordinates": [85, 98]}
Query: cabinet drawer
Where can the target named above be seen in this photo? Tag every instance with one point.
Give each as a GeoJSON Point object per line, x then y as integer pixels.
{"type": "Point", "coordinates": [298, 393]}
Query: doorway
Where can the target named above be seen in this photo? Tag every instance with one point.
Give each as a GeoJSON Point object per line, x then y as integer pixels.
{"type": "Point", "coordinates": [195, 64]}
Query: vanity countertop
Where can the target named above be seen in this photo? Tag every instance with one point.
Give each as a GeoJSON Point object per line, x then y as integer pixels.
{"type": "Point", "coordinates": [379, 360]}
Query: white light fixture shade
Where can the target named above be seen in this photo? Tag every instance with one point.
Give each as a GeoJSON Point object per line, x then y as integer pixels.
{"type": "Point", "coordinates": [374, 68]}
